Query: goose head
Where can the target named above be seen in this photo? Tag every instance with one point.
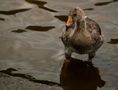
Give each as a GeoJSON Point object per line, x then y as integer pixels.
{"type": "Point", "coordinates": [76, 15]}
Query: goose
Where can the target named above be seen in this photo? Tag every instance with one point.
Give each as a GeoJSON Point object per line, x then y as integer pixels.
{"type": "Point", "coordinates": [81, 35]}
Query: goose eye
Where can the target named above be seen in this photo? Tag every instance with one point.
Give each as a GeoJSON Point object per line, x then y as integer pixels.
{"type": "Point", "coordinates": [74, 14]}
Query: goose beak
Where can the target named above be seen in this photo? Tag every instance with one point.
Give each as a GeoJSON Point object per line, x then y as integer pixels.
{"type": "Point", "coordinates": [69, 21]}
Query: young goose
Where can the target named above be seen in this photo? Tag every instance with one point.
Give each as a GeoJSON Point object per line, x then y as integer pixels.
{"type": "Point", "coordinates": [82, 34]}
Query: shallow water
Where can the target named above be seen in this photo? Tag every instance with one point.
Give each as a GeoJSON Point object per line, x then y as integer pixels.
{"type": "Point", "coordinates": [30, 44]}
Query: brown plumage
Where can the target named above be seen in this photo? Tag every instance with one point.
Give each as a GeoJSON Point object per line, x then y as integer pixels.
{"type": "Point", "coordinates": [82, 34]}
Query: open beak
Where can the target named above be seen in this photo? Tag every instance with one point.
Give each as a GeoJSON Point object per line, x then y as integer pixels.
{"type": "Point", "coordinates": [69, 21]}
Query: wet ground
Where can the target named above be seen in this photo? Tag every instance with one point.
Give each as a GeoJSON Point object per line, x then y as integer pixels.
{"type": "Point", "coordinates": [31, 52]}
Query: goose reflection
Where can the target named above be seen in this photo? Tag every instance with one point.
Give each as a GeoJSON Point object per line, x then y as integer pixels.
{"type": "Point", "coordinates": [80, 75]}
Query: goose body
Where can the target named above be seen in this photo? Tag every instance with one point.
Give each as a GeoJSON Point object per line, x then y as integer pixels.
{"type": "Point", "coordinates": [82, 35]}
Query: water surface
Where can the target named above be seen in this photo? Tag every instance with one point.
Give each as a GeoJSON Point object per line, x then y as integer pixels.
{"type": "Point", "coordinates": [32, 58]}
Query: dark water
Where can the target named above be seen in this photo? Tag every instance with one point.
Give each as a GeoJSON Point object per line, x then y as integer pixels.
{"type": "Point", "coordinates": [41, 4]}
{"type": "Point", "coordinates": [105, 3]}
{"type": "Point", "coordinates": [13, 12]}
{"type": "Point", "coordinates": [19, 31]}
{"type": "Point", "coordinates": [113, 41]}
{"type": "Point", "coordinates": [28, 77]}
{"type": "Point", "coordinates": [102, 3]}
{"type": "Point", "coordinates": [88, 9]}
{"type": "Point", "coordinates": [2, 19]}
{"type": "Point", "coordinates": [40, 28]}
{"type": "Point", "coordinates": [35, 54]}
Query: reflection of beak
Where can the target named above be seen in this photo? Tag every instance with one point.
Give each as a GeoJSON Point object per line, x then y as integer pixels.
{"type": "Point", "coordinates": [69, 21]}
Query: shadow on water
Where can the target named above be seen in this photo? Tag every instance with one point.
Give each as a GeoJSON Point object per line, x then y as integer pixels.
{"type": "Point", "coordinates": [40, 28]}
{"type": "Point", "coordinates": [88, 9]}
{"type": "Point", "coordinates": [2, 19]}
{"type": "Point", "coordinates": [40, 4]}
{"type": "Point", "coordinates": [105, 3]}
{"type": "Point", "coordinates": [13, 12]}
{"type": "Point", "coordinates": [10, 71]}
{"type": "Point", "coordinates": [80, 75]}
{"type": "Point", "coordinates": [113, 41]}
{"type": "Point", "coordinates": [62, 18]}
{"type": "Point", "coordinates": [19, 31]}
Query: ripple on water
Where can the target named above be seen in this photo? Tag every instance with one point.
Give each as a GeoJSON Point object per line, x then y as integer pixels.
{"type": "Point", "coordinates": [13, 12]}
{"type": "Point", "coordinates": [113, 41]}
{"type": "Point", "coordinates": [40, 4]}
{"type": "Point", "coordinates": [88, 9]}
{"type": "Point", "coordinates": [40, 28]}
{"type": "Point", "coordinates": [105, 3]}
{"type": "Point", "coordinates": [102, 3]}
{"type": "Point", "coordinates": [19, 31]}
{"type": "Point", "coordinates": [2, 19]}
{"type": "Point", "coordinates": [9, 71]}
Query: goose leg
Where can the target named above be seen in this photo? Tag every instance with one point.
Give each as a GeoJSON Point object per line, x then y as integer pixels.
{"type": "Point", "coordinates": [91, 56]}
{"type": "Point", "coordinates": [68, 53]}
